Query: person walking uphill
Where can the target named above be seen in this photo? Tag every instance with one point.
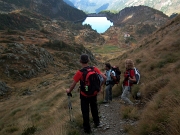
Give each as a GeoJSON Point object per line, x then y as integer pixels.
{"type": "Point", "coordinates": [129, 77]}
{"type": "Point", "coordinates": [109, 82]}
{"type": "Point", "coordinates": [88, 93]}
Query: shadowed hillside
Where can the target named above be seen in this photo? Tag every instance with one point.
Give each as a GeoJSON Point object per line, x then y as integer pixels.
{"type": "Point", "coordinates": [53, 9]}
{"type": "Point", "coordinates": [16, 21]}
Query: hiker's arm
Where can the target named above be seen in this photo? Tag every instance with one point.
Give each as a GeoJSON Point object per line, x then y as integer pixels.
{"type": "Point", "coordinates": [132, 79]}
{"type": "Point", "coordinates": [112, 76]}
{"type": "Point", "coordinates": [71, 87]}
{"type": "Point", "coordinates": [104, 77]}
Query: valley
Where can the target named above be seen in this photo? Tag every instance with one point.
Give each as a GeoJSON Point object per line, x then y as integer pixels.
{"type": "Point", "coordinates": [40, 51]}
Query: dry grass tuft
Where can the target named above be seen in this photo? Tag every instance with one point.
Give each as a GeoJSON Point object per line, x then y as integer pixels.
{"type": "Point", "coordinates": [129, 112]}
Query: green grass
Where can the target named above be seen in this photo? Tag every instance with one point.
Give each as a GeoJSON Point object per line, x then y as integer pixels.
{"type": "Point", "coordinates": [106, 49]}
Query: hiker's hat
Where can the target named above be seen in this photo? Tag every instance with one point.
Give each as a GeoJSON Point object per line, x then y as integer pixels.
{"type": "Point", "coordinates": [84, 58]}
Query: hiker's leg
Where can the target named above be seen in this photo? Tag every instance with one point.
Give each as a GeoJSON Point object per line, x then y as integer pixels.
{"type": "Point", "coordinates": [125, 95]}
{"type": "Point", "coordinates": [107, 92]}
{"type": "Point", "coordinates": [94, 110]}
{"type": "Point", "coordinates": [110, 92]}
{"type": "Point", "coordinates": [85, 113]}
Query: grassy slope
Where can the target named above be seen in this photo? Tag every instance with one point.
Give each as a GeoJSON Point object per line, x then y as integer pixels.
{"type": "Point", "coordinates": [45, 110]}
{"type": "Point", "coordinates": [158, 60]}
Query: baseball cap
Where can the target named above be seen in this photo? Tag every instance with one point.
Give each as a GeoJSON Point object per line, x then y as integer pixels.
{"type": "Point", "coordinates": [84, 58]}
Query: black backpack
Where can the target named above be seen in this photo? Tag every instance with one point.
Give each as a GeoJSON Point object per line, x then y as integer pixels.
{"type": "Point", "coordinates": [118, 74]}
{"type": "Point", "coordinates": [90, 84]}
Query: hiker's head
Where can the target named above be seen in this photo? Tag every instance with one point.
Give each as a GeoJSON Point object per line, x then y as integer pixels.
{"type": "Point", "coordinates": [129, 64]}
{"type": "Point", "coordinates": [84, 59]}
{"type": "Point", "coordinates": [107, 66]}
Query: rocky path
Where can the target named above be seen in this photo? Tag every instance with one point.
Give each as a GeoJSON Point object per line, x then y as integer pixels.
{"type": "Point", "coordinates": [111, 122]}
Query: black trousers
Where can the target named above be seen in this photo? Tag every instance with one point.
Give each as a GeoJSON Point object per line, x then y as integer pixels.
{"type": "Point", "coordinates": [87, 102]}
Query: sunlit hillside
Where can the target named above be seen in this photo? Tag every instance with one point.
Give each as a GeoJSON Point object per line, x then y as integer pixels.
{"type": "Point", "coordinates": [158, 59]}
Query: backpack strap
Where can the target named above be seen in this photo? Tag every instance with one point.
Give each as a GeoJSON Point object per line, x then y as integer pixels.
{"type": "Point", "coordinates": [84, 71]}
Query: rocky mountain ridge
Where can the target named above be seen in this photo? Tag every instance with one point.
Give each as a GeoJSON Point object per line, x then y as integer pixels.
{"type": "Point", "coordinates": [53, 9]}
{"type": "Point", "coordinates": [139, 14]}
{"type": "Point", "coordinates": [132, 24]}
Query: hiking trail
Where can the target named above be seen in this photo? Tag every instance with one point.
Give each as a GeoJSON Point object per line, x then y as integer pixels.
{"type": "Point", "coordinates": [111, 122]}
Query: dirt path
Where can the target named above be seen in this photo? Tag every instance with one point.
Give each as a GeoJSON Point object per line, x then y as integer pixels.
{"type": "Point", "coordinates": [112, 124]}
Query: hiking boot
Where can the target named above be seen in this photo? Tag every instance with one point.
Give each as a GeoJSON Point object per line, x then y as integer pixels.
{"type": "Point", "coordinates": [88, 131]}
{"type": "Point", "coordinates": [105, 101]}
{"type": "Point", "coordinates": [98, 125]}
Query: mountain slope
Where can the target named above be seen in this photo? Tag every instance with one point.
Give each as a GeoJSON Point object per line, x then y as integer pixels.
{"type": "Point", "coordinates": [158, 60]}
{"type": "Point", "coordinates": [138, 14]}
{"type": "Point", "coordinates": [92, 6]}
{"type": "Point", "coordinates": [53, 9]}
{"type": "Point", "coordinates": [132, 24]}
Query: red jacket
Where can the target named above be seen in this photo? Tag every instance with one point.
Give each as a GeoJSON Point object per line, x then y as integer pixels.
{"type": "Point", "coordinates": [127, 74]}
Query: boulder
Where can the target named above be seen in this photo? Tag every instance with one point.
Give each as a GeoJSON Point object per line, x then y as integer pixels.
{"type": "Point", "coordinates": [3, 88]}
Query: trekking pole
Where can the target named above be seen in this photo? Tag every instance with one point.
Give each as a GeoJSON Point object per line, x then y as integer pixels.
{"type": "Point", "coordinates": [70, 107]}
{"type": "Point", "coordinates": [103, 92]}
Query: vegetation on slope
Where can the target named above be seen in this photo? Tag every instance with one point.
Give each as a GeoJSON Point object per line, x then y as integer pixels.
{"type": "Point", "coordinates": [158, 60]}
{"type": "Point", "coordinates": [16, 22]}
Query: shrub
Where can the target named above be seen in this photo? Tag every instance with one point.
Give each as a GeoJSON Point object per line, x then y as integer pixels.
{"type": "Point", "coordinates": [29, 130]}
{"type": "Point", "coordinates": [138, 61]}
{"type": "Point", "coordinates": [12, 129]}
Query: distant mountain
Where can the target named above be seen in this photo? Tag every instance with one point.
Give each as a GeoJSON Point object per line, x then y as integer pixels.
{"type": "Point", "coordinates": [51, 8]}
{"type": "Point", "coordinates": [69, 3]}
{"type": "Point", "coordinates": [92, 6]}
{"type": "Point", "coordinates": [134, 23]}
{"type": "Point", "coordinates": [138, 14]}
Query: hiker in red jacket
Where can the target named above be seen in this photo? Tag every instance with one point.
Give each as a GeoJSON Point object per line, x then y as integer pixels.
{"type": "Point", "coordinates": [86, 100]}
{"type": "Point", "coordinates": [129, 77]}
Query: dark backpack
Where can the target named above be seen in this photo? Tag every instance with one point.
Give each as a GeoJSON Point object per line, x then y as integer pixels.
{"type": "Point", "coordinates": [90, 84]}
{"type": "Point", "coordinates": [118, 74]}
{"type": "Point", "coordinates": [137, 76]}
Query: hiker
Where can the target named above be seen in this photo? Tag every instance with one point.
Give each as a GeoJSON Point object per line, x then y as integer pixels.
{"type": "Point", "coordinates": [110, 74]}
{"type": "Point", "coordinates": [86, 100]}
{"type": "Point", "coordinates": [129, 78]}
